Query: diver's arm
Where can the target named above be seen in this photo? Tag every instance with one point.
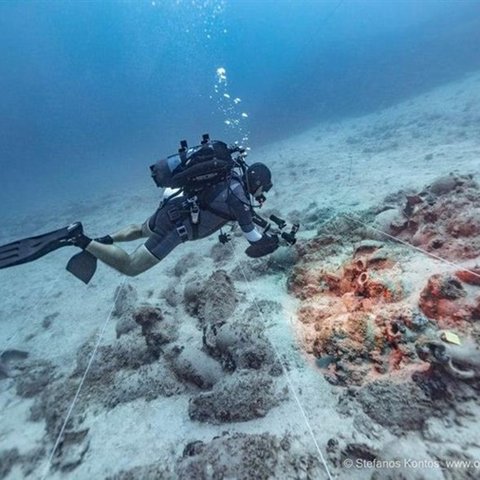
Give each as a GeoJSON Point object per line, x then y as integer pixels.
{"type": "Point", "coordinates": [245, 222]}
{"type": "Point", "coordinates": [240, 209]}
{"type": "Point", "coordinates": [252, 235]}
{"type": "Point", "coordinates": [260, 244]}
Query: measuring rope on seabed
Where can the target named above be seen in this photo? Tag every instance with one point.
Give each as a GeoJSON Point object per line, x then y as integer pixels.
{"type": "Point", "coordinates": [277, 229]}
{"type": "Point", "coordinates": [413, 247]}
{"type": "Point", "coordinates": [82, 381]}
{"type": "Point", "coordinates": [284, 370]}
{"type": "Point", "coordinates": [403, 242]}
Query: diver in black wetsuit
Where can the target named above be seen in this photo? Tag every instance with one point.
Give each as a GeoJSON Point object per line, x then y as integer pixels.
{"type": "Point", "coordinates": [173, 223]}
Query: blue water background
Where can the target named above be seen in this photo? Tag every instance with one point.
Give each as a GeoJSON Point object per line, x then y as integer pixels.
{"type": "Point", "coordinates": [91, 93]}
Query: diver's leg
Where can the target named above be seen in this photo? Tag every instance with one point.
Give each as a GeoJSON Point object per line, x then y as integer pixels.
{"type": "Point", "coordinates": [129, 264]}
{"type": "Point", "coordinates": [128, 234]}
{"type": "Point", "coordinates": [146, 230]}
{"type": "Point", "coordinates": [133, 232]}
{"type": "Point", "coordinates": [159, 244]}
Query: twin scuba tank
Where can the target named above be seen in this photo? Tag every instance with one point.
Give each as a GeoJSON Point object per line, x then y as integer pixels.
{"type": "Point", "coordinates": [191, 169]}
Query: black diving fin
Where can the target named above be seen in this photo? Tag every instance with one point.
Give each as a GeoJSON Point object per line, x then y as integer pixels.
{"type": "Point", "coordinates": [33, 248]}
{"type": "Point", "coordinates": [83, 265]}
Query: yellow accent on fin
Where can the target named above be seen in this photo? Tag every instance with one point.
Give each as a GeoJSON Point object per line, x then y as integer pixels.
{"type": "Point", "coordinates": [451, 337]}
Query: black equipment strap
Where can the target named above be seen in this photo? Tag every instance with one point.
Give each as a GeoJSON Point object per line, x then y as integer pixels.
{"type": "Point", "coordinates": [176, 217]}
{"type": "Point", "coordinates": [194, 230]}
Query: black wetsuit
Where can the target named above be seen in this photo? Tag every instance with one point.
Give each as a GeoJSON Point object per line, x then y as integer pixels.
{"type": "Point", "coordinates": [172, 223]}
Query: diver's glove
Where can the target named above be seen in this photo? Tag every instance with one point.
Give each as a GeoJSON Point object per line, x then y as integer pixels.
{"type": "Point", "coordinates": [267, 244]}
{"type": "Point", "coordinates": [106, 240]}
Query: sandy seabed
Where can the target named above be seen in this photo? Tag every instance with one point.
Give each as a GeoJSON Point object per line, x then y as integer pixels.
{"type": "Point", "coordinates": [305, 364]}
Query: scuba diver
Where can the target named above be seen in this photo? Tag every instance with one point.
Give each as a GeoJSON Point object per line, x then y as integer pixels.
{"type": "Point", "coordinates": [212, 186]}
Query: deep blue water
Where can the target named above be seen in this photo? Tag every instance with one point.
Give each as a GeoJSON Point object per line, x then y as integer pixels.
{"type": "Point", "coordinates": [91, 92]}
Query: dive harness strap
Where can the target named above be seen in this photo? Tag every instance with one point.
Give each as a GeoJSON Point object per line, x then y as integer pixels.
{"type": "Point", "coordinates": [177, 216]}
{"type": "Point", "coordinates": [194, 215]}
{"type": "Point", "coordinates": [192, 205]}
